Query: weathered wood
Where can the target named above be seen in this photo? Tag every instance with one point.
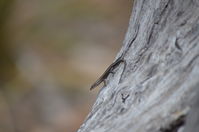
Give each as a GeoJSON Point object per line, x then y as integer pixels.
{"type": "Point", "coordinates": [155, 92]}
{"type": "Point", "coordinates": [192, 121]}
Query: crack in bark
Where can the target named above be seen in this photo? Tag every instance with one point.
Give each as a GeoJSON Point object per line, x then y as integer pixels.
{"type": "Point", "coordinates": [175, 125]}
{"type": "Point", "coordinates": [177, 44]}
{"type": "Point", "coordinates": [160, 15]}
{"type": "Point", "coordinates": [124, 98]}
{"type": "Point", "coordinates": [192, 61]}
{"type": "Point", "coordinates": [131, 42]}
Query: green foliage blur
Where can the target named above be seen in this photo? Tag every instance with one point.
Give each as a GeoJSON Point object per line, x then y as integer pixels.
{"type": "Point", "coordinates": [7, 69]}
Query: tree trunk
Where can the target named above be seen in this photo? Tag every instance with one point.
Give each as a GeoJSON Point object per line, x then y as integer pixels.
{"type": "Point", "coordinates": [154, 91]}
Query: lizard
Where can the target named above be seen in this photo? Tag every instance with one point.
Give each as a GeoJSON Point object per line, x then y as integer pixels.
{"type": "Point", "coordinates": [109, 70]}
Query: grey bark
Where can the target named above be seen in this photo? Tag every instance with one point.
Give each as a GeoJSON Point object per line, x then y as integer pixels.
{"type": "Point", "coordinates": [156, 90]}
{"type": "Point", "coordinates": [192, 121]}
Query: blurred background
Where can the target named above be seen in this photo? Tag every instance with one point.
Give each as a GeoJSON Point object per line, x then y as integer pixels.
{"type": "Point", "coordinates": [51, 51]}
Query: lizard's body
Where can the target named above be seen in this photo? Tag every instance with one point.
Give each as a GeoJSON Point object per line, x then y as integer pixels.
{"type": "Point", "coordinates": [109, 70]}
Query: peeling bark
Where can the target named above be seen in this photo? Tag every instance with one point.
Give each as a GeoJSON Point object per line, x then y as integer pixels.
{"type": "Point", "coordinates": [156, 89]}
